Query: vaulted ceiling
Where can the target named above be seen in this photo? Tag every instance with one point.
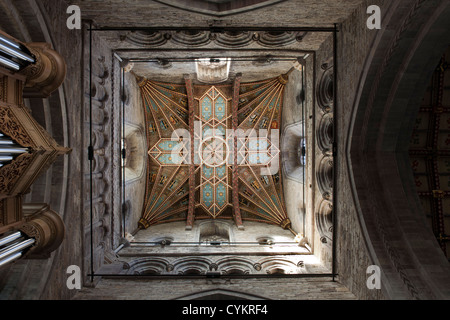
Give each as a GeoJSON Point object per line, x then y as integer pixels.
{"type": "Point", "coordinates": [214, 151]}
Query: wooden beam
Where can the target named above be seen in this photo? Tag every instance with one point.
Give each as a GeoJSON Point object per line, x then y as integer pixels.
{"type": "Point", "coordinates": [191, 206]}
{"type": "Point", "coordinates": [435, 119]}
{"type": "Point", "coordinates": [235, 176]}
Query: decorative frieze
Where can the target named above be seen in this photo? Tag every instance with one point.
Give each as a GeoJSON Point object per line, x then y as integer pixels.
{"type": "Point", "coordinates": [227, 39]}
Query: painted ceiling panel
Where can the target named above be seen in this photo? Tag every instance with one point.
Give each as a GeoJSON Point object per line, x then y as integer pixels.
{"type": "Point", "coordinates": [178, 116]}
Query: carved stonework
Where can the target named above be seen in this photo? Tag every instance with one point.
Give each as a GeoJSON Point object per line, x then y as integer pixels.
{"type": "Point", "coordinates": [235, 39]}
{"type": "Point", "coordinates": [324, 221]}
{"type": "Point", "coordinates": [325, 133]}
{"type": "Point", "coordinates": [325, 90]}
{"type": "Point", "coordinates": [145, 38]}
{"type": "Point", "coordinates": [277, 39]}
{"type": "Point", "coordinates": [17, 176]}
{"type": "Point", "coordinates": [11, 173]}
{"type": "Point", "coordinates": [226, 39]}
{"type": "Point", "coordinates": [32, 231]}
{"type": "Point", "coordinates": [191, 38]}
{"type": "Point", "coordinates": [211, 71]}
{"type": "Point", "coordinates": [324, 175]}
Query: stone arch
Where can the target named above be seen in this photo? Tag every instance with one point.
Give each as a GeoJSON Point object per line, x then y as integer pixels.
{"type": "Point", "coordinates": [393, 81]}
{"type": "Point", "coordinates": [235, 265]}
{"type": "Point", "coordinates": [234, 39]}
{"type": "Point", "coordinates": [191, 265]}
{"type": "Point", "coordinates": [191, 38]}
{"type": "Point", "coordinates": [325, 133]}
{"type": "Point", "coordinates": [147, 38]}
{"type": "Point", "coordinates": [221, 294]}
{"type": "Point", "coordinates": [278, 265]}
{"type": "Point", "coordinates": [325, 88]}
{"type": "Point", "coordinates": [276, 39]}
{"type": "Point", "coordinates": [324, 175]}
{"type": "Point", "coordinates": [324, 221]}
{"type": "Point", "coordinates": [147, 266]}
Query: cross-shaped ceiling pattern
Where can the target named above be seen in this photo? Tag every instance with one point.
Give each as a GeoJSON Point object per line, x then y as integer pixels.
{"type": "Point", "coordinates": [213, 152]}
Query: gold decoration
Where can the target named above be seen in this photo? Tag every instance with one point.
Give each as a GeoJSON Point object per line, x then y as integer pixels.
{"type": "Point", "coordinates": [285, 223]}
{"type": "Point", "coordinates": [438, 194]}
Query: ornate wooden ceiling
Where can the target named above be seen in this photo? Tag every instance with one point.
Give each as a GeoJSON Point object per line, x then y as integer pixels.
{"type": "Point", "coordinates": [213, 152]}
{"type": "Point", "coordinates": [430, 153]}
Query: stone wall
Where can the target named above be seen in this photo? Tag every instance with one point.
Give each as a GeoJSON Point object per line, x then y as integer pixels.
{"type": "Point", "coordinates": [141, 13]}
{"type": "Point", "coordinates": [354, 43]}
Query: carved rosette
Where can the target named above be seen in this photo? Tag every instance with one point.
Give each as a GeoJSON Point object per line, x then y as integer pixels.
{"type": "Point", "coordinates": [277, 39]}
